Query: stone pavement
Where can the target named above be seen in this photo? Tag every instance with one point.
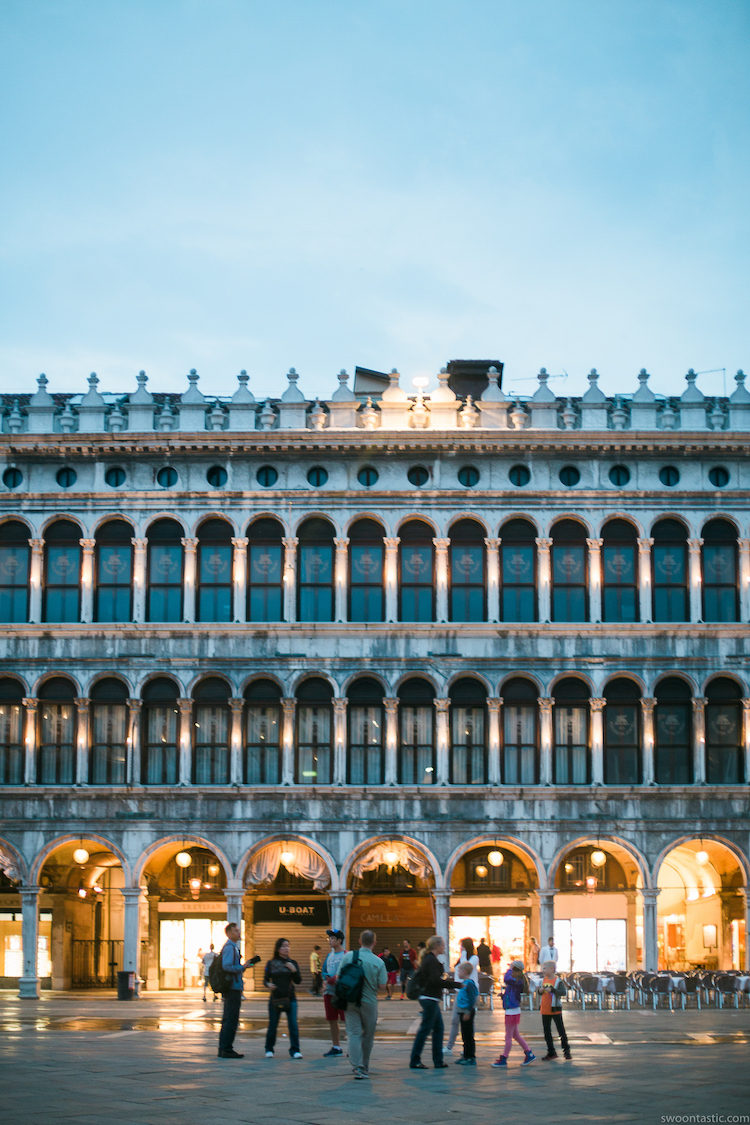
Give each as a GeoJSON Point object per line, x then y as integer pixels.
{"type": "Point", "coordinates": [87, 1059]}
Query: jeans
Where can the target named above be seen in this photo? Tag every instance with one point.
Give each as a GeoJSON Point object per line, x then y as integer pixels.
{"type": "Point", "coordinates": [230, 1017]}
{"type": "Point", "coordinates": [361, 1020]}
{"type": "Point", "coordinates": [467, 1036]}
{"type": "Point", "coordinates": [432, 1021]}
{"type": "Point", "coordinates": [274, 1015]}
{"type": "Point", "coordinates": [547, 1028]}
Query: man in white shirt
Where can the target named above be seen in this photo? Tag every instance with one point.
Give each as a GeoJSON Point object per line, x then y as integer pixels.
{"type": "Point", "coordinates": [549, 952]}
{"type": "Point", "coordinates": [362, 1018]}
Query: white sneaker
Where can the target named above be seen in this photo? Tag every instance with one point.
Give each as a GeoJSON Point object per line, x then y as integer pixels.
{"type": "Point", "coordinates": [269, 1054]}
{"type": "Point", "coordinates": [296, 1055]}
{"type": "Point", "coordinates": [447, 1050]}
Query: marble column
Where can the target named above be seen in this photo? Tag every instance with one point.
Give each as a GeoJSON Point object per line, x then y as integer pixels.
{"type": "Point", "coordinates": [597, 740]}
{"type": "Point", "coordinates": [36, 574]}
{"type": "Point", "coordinates": [441, 579]}
{"type": "Point", "coordinates": [131, 934]}
{"type": "Point", "coordinates": [189, 579]}
{"type": "Point", "coordinates": [647, 741]}
{"type": "Point", "coordinates": [341, 578]}
{"type": "Point", "coordinates": [290, 578]}
{"type": "Point", "coordinates": [745, 743]}
{"type": "Point", "coordinates": [237, 709]}
{"type": "Point", "coordinates": [391, 578]}
{"type": "Point", "coordinates": [694, 572]}
{"type": "Point", "coordinates": [744, 579]}
{"type": "Point", "coordinates": [239, 579]}
{"type": "Point", "coordinates": [545, 740]}
{"type": "Point", "coordinates": [234, 895]}
{"type": "Point", "coordinates": [644, 579]}
{"type": "Point", "coordinates": [650, 931]}
{"type": "Point", "coordinates": [140, 549]}
{"type": "Point", "coordinates": [442, 901]}
{"type": "Point", "coordinates": [87, 580]}
{"type": "Point", "coordinates": [288, 712]}
{"type": "Point", "coordinates": [544, 578]}
{"type": "Point", "coordinates": [546, 916]}
{"type": "Point", "coordinates": [494, 772]}
{"type": "Point", "coordinates": [152, 967]}
{"type": "Point", "coordinates": [339, 741]}
{"type": "Point", "coordinates": [185, 707]}
{"type": "Point", "coordinates": [442, 740]}
{"type": "Point", "coordinates": [29, 739]}
{"type": "Point", "coordinates": [133, 763]}
{"type": "Point", "coordinates": [28, 985]}
{"type": "Point", "coordinates": [339, 910]}
{"type": "Point", "coordinates": [699, 741]}
{"type": "Point", "coordinates": [390, 707]}
{"type": "Point", "coordinates": [493, 579]}
{"type": "Point", "coordinates": [595, 579]}
{"type": "Point", "coordinates": [82, 741]}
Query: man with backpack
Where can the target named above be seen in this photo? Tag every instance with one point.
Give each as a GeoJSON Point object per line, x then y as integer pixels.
{"type": "Point", "coordinates": [360, 975]}
{"type": "Point", "coordinates": [233, 967]}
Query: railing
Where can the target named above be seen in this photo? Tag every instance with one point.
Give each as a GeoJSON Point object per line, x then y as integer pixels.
{"type": "Point", "coordinates": [95, 963]}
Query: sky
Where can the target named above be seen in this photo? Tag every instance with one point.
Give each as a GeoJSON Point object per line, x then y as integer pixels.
{"type": "Point", "coordinates": [238, 184]}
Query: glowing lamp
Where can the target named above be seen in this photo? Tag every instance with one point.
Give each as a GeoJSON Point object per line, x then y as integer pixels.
{"type": "Point", "coordinates": [287, 858]}
{"type": "Point", "coordinates": [495, 858]}
{"type": "Point", "coordinates": [702, 857]}
{"type": "Point", "coordinates": [568, 868]}
{"type": "Point", "coordinates": [195, 885]}
{"type": "Point", "coordinates": [183, 859]}
{"type": "Point", "coordinates": [391, 858]}
{"type": "Point", "coordinates": [80, 855]}
{"type": "Point", "coordinates": [213, 870]}
{"type": "Point", "coordinates": [590, 883]}
{"type": "Point", "coordinates": [598, 858]}
{"type": "Point", "coordinates": [81, 890]}
{"type": "Point", "coordinates": [481, 871]}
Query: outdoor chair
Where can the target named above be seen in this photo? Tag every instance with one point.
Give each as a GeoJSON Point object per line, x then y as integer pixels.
{"type": "Point", "coordinates": [486, 991]}
{"type": "Point", "coordinates": [693, 987]}
{"type": "Point", "coordinates": [591, 989]}
{"type": "Point", "coordinates": [620, 990]}
{"type": "Point", "coordinates": [727, 986]}
{"type": "Point", "coordinates": [663, 987]}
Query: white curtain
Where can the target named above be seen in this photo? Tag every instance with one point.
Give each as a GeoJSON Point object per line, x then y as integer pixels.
{"type": "Point", "coordinates": [408, 858]}
{"type": "Point", "coordinates": [305, 864]}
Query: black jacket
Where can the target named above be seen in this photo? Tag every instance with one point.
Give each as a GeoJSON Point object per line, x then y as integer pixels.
{"type": "Point", "coordinates": [431, 977]}
{"type": "Point", "coordinates": [277, 973]}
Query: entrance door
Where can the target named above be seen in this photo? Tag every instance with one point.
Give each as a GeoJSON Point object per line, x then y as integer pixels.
{"type": "Point", "coordinates": [180, 941]}
{"type": "Point", "coordinates": [506, 933]}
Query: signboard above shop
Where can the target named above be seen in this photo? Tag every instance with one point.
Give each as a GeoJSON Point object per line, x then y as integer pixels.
{"type": "Point", "coordinates": [310, 912]}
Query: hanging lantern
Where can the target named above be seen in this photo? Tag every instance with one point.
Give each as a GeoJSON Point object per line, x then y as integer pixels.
{"type": "Point", "coordinates": [195, 885]}
{"type": "Point", "coordinates": [702, 857]}
{"type": "Point", "coordinates": [590, 883]}
{"type": "Point", "coordinates": [391, 858]}
{"type": "Point", "coordinates": [598, 858]}
{"type": "Point", "coordinates": [213, 870]}
{"type": "Point", "coordinates": [568, 868]}
{"type": "Point", "coordinates": [183, 859]}
{"type": "Point", "coordinates": [495, 858]}
{"type": "Point", "coordinates": [480, 871]}
{"type": "Point", "coordinates": [287, 857]}
{"type": "Point", "coordinates": [81, 890]}
{"type": "Point", "coordinates": [80, 855]}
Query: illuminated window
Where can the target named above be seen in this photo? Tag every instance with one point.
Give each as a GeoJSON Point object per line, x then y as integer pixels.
{"type": "Point", "coordinates": [160, 733]}
{"type": "Point", "coordinates": [622, 733]}
{"type": "Point", "coordinates": [416, 747]}
{"type": "Point", "coordinates": [571, 759]}
{"type": "Point", "coordinates": [520, 733]}
{"type": "Point", "coordinates": [56, 733]}
{"type": "Point", "coordinates": [109, 732]}
{"type": "Point", "coordinates": [366, 742]}
{"type": "Point", "coordinates": [211, 732]}
{"type": "Point", "coordinates": [262, 733]}
{"type": "Point", "coordinates": [468, 728]}
{"type": "Point", "coordinates": [314, 748]}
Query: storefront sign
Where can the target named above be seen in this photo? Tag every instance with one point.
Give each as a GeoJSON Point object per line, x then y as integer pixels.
{"type": "Point", "coordinates": [310, 912]}
{"type": "Point", "coordinates": [383, 910]}
{"type": "Point", "coordinates": [180, 909]}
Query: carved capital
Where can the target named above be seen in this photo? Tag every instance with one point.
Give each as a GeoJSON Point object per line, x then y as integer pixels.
{"type": "Point", "coordinates": [492, 544]}
{"type": "Point", "coordinates": [597, 706]}
{"type": "Point", "coordinates": [240, 544]}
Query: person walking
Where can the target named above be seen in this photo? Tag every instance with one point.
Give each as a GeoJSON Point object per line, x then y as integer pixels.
{"type": "Point", "coordinates": [330, 971]}
{"type": "Point", "coordinates": [485, 958]}
{"type": "Point", "coordinates": [280, 976]}
{"type": "Point", "coordinates": [515, 985]}
{"type": "Point", "coordinates": [407, 964]}
{"type": "Point", "coordinates": [466, 1006]}
{"type": "Point", "coordinates": [431, 981]}
{"type": "Point", "coordinates": [391, 967]}
{"type": "Point", "coordinates": [207, 961]}
{"type": "Point", "coordinates": [553, 989]}
{"type": "Point", "coordinates": [466, 955]}
{"type": "Point", "coordinates": [361, 1019]}
{"type": "Point", "coordinates": [315, 971]}
{"type": "Point", "coordinates": [233, 966]}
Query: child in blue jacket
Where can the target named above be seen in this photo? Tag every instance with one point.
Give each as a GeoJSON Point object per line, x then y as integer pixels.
{"type": "Point", "coordinates": [466, 1006]}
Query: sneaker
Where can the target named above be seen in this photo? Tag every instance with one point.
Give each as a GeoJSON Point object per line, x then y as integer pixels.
{"type": "Point", "coordinates": [530, 1056]}
{"type": "Point", "coordinates": [360, 1072]}
{"type": "Point", "coordinates": [296, 1055]}
{"type": "Point", "coordinates": [466, 1062]}
{"type": "Point", "coordinates": [269, 1054]}
{"type": "Point", "coordinates": [549, 1055]}
{"type": "Point", "coordinates": [333, 1051]}
{"type": "Point", "coordinates": [500, 1061]}
{"type": "Point", "coordinates": [447, 1050]}
{"type": "Point", "coordinates": [230, 1055]}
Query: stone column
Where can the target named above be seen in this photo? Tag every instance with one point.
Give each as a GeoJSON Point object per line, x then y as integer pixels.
{"type": "Point", "coordinates": [28, 985]}
{"type": "Point", "coordinates": [745, 743]}
{"type": "Point", "coordinates": [189, 579]}
{"type": "Point", "coordinates": [650, 940]}
{"type": "Point", "coordinates": [441, 579]}
{"type": "Point", "coordinates": [133, 763]}
{"type": "Point", "coordinates": [339, 741]}
{"type": "Point", "coordinates": [82, 741]}
{"type": "Point", "coordinates": [746, 897]}
{"type": "Point", "coordinates": [87, 580]}
{"type": "Point", "coordinates": [544, 578]}
{"type": "Point", "coordinates": [442, 901]}
{"type": "Point", "coordinates": [744, 578]}
{"type": "Point", "coordinates": [152, 968]}
{"type": "Point", "coordinates": [699, 741]}
{"type": "Point", "coordinates": [36, 573]}
{"type": "Point", "coordinates": [647, 741]}
{"type": "Point", "coordinates": [237, 708]}
{"type": "Point", "coordinates": [644, 579]}
{"type": "Point", "coordinates": [140, 549]}
{"type": "Point", "coordinates": [493, 578]}
{"type": "Point", "coordinates": [694, 572]}
{"type": "Point", "coordinates": [186, 741]}
{"type": "Point", "coordinates": [545, 740]}
{"type": "Point", "coordinates": [390, 707]}
{"type": "Point", "coordinates": [288, 710]}
{"type": "Point", "coordinates": [595, 579]}
{"type": "Point", "coordinates": [597, 740]}
{"type": "Point", "coordinates": [290, 579]}
{"type": "Point", "coordinates": [339, 903]}
{"type": "Point", "coordinates": [391, 578]}
{"type": "Point", "coordinates": [442, 740]}
{"type": "Point", "coordinates": [341, 578]}
{"type": "Point", "coordinates": [131, 936]}
{"type": "Point", "coordinates": [494, 773]}
{"type": "Point", "coordinates": [29, 739]}
{"type": "Point", "coordinates": [631, 941]}
{"type": "Point", "coordinates": [234, 895]}
{"type": "Point", "coordinates": [546, 916]}
{"type": "Point", "coordinates": [239, 579]}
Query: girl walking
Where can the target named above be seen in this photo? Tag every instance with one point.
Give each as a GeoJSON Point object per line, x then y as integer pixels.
{"type": "Point", "coordinates": [515, 986]}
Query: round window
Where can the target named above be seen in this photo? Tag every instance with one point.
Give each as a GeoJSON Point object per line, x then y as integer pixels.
{"type": "Point", "coordinates": [266, 476]}
{"type": "Point", "coordinates": [167, 476]}
{"type": "Point", "coordinates": [216, 476]}
{"type": "Point", "coordinates": [66, 477]}
{"type": "Point", "coordinates": [619, 475]}
{"type": "Point", "coordinates": [468, 476]}
{"type": "Point", "coordinates": [719, 476]}
{"type": "Point", "coordinates": [519, 475]}
{"type": "Point", "coordinates": [368, 476]}
{"type": "Point", "coordinates": [569, 476]}
{"type": "Point", "coordinates": [12, 477]}
{"type": "Point", "coordinates": [115, 476]}
{"type": "Point", "coordinates": [317, 476]}
{"type": "Point", "coordinates": [418, 475]}
{"type": "Point", "coordinates": [669, 476]}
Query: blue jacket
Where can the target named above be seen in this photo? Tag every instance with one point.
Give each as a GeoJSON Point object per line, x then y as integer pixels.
{"type": "Point", "coordinates": [514, 989]}
{"type": "Point", "coordinates": [466, 1000]}
{"type": "Point", "coordinates": [231, 963]}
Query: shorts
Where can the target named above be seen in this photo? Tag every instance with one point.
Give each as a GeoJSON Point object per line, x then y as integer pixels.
{"type": "Point", "coordinates": [393, 976]}
{"type": "Point", "coordinates": [332, 1012]}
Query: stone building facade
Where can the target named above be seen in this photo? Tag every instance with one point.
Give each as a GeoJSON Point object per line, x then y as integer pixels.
{"type": "Point", "coordinates": [447, 661]}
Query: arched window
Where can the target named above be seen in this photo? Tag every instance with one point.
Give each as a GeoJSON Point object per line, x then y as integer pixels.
{"type": "Point", "coordinates": [468, 727]}
{"type": "Point", "coordinates": [215, 571]}
{"type": "Point", "coordinates": [11, 733]}
{"type": "Point", "coordinates": [165, 571]}
{"type": "Point", "coordinates": [619, 571]}
{"type": "Point", "coordinates": [669, 561]}
{"type": "Point", "coordinates": [366, 758]}
{"type": "Point", "coordinates": [56, 733]}
{"type": "Point", "coordinates": [518, 571]}
{"type": "Point", "coordinates": [109, 733]}
{"type": "Point", "coordinates": [569, 572]}
{"type": "Point", "coordinates": [113, 571]}
{"type": "Point", "coordinates": [14, 571]}
{"type": "Point", "coordinates": [720, 588]}
{"type": "Point", "coordinates": [314, 757]}
{"type": "Point", "coordinates": [366, 571]}
{"type": "Point", "coordinates": [265, 601]}
{"type": "Point", "coordinates": [262, 733]}
{"type": "Point", "coordinates": [673, 731]}
{"type": "Point", "coordinates": [211, 733]}
{"type": "Point", "coordinates": [724, 749]}
{"type": "Point", "coordinates": [160, 754]}
{"type": "Point", "coordinates": [571, 727]}
{"type": "Point", "coordinates": [520, 733]}
{"type": "Point", "coordinates": [416, 573]}
{"type": "Point", "coordinates": [315, 570]}
{"type": "Point", "coordinates": [622, 733]}
{"type": "Point", "coordinates": [62, 572]}
{"type": "Point", "coordinates": [416, 745]}
{"type": "Point", "coordinates": [467, 572]}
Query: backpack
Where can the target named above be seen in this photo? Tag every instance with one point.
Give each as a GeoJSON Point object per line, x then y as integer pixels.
{"type": "Point", "coordinates": [414, 986]}
{"type": "Point", "coordinates": [217, 978]}
{"type": "Point", "coordinates": [349, 983]}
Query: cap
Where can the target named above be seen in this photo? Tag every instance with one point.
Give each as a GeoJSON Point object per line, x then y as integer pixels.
{"type": "Point", "coordinates": [517, 964]}
{"type": "Point", "coordinates": [335, 933]}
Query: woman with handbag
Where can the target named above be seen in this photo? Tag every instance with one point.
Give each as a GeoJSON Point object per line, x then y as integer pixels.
{"type": "Point", "coordinates": [280, 976]}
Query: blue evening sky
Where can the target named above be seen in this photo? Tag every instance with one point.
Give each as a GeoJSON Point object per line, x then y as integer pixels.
{"type": "Point", "coordinates": [227, 184]}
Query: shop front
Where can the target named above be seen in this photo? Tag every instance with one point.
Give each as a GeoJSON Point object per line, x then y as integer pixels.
{"type": "Point", "coordinates": [394, 918]}
{"type": "Point", "coordinates": [11, 948]}
{"type": "Point", "coordinates": [597, 927]}
{"type": "Point", "coordinates": [185, 934]}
